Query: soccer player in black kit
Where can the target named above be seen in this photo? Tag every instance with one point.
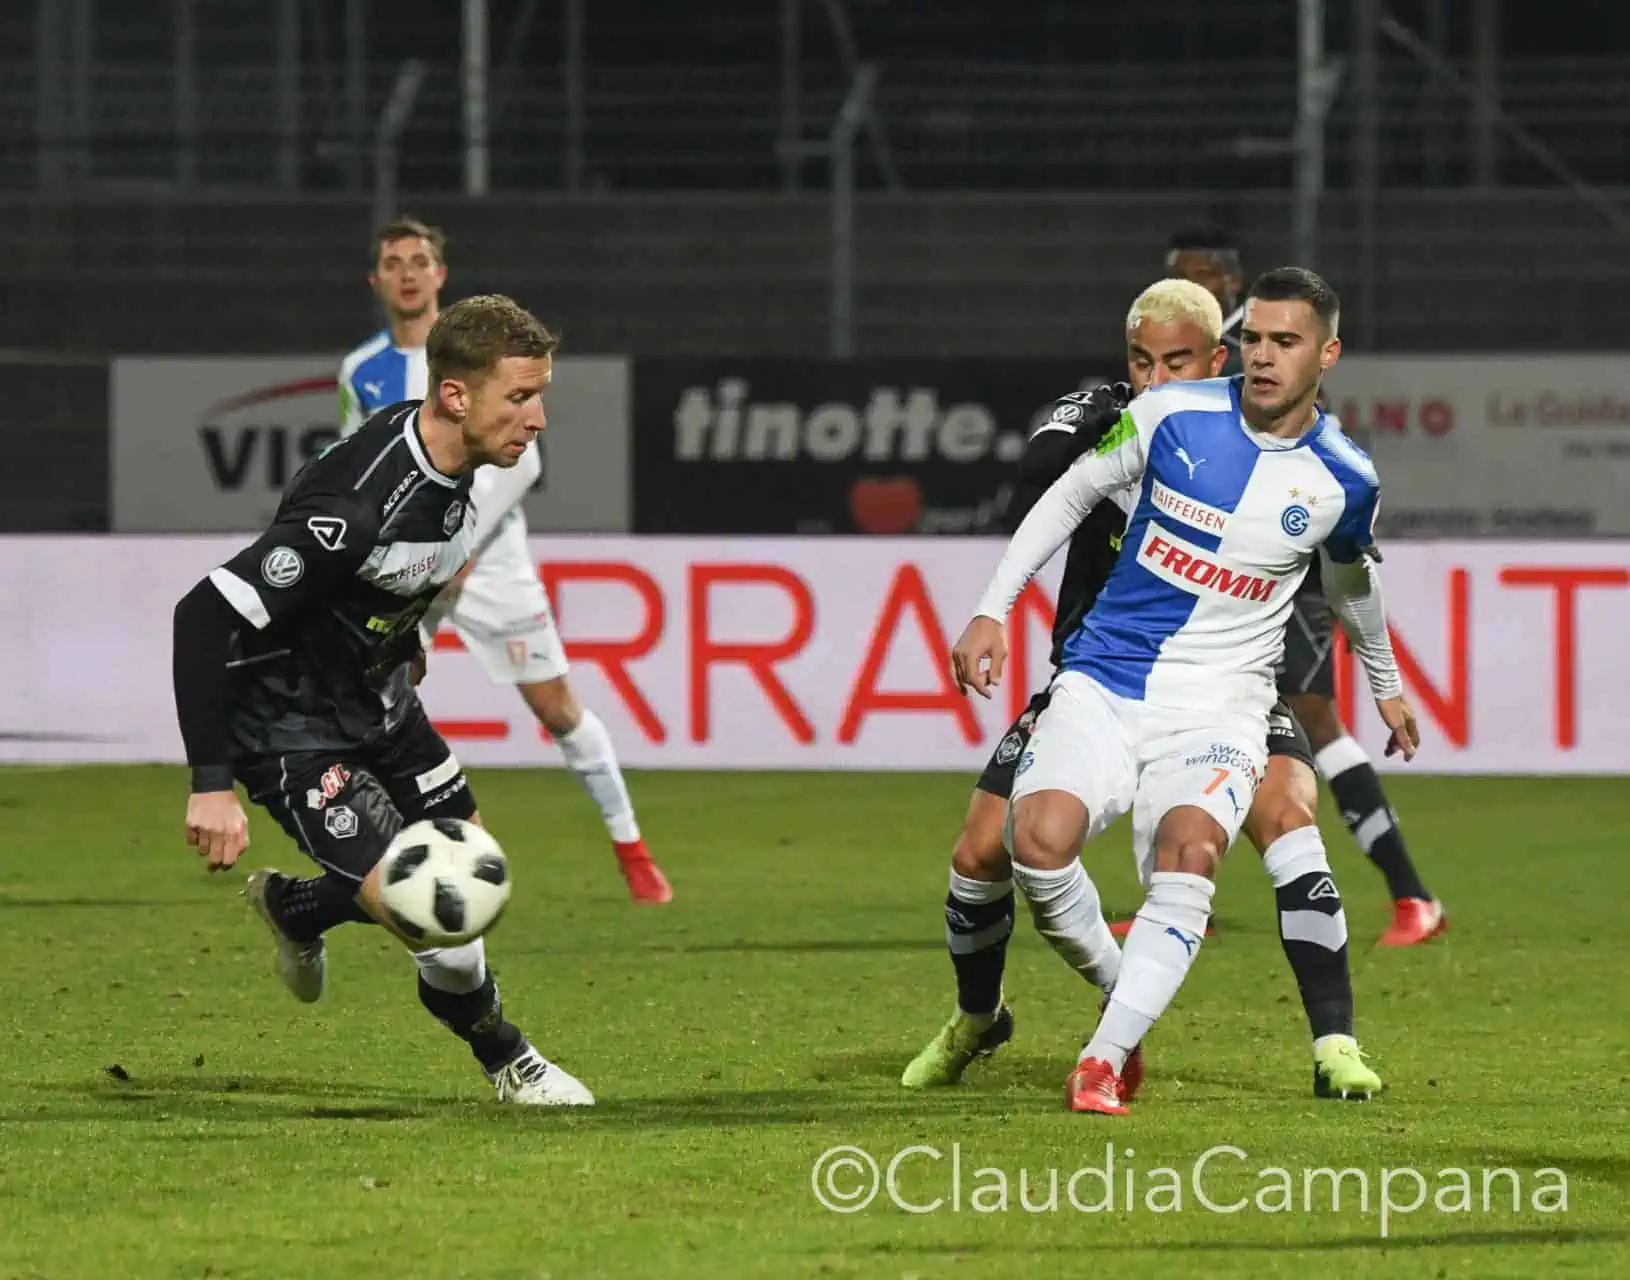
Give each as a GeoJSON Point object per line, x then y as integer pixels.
{"type": "Point", "coordinates": [1210, 258]}
{"type": "Point", "coordinates": [1173, 333]}
{"type": "Point", "coordinates": [296, 660]}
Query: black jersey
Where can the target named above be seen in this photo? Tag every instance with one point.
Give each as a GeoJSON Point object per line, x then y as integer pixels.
{"type": "Point", "coordinates": [331, 594]}
{"type": "Point", "coordinates": [1078, 422]}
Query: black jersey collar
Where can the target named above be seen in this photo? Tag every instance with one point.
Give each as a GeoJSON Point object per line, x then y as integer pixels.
{"type": "Point", "coordinates": [415, 444]}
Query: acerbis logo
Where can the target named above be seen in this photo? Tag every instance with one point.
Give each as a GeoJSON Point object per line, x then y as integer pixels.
{"type": "Point", "coordinates": [403, 486]}
{"type": "Point", "coordinates": [329, 532]}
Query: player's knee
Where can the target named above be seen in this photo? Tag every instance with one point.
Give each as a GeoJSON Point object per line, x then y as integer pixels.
{"type": "Point", "coordinates": [979, 853]}
{"type": "Point", "coordinates": [1273, 816]}
{"type": "Point", "coordinates": [555, 705]}
{"type": "Point", "coordinates": [1190, 841]}
{"type": "Point", "coordinates": [1048, 830]}
{"type": "Point", "coordinates": [1191, 855]}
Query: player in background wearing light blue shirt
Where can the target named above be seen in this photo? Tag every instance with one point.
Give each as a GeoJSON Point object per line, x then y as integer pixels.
{"type": "Point", "coordinates": [1162, 702]}
{"type": "Point", "coordinates": [498, 605]}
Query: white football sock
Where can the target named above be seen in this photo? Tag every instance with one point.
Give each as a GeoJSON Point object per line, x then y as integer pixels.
{"type": "Point", "coordinates": [1162, 944]}
{"type": "Point", "coordinates": [590, 755]}
{"type": "Point", "coordinates": [1069, 914]}
{"type": "Point", "coordinates": [456, 970]}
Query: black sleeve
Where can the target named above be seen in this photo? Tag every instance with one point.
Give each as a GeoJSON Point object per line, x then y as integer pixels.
{"type": "Point", "coordinates": [313, 545]}
{"type": "Point", "coordinates": [1080, 420]}
{"type": "Point", "coordinates": [204, 624]}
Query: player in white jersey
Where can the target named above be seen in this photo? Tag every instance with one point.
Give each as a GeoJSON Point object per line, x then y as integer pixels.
{"type": "Point", "coordinates": [1210, 258]}
{"type": "Point", "coordinates": [1161, 705]}
{"type": "Point", "coordinates": [498, 606]}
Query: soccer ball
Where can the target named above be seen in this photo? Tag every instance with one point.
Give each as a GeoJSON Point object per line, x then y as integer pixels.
{"type": "Point", "coordinates": [444, 882]}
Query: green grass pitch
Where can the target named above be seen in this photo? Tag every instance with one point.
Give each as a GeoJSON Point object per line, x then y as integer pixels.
{"type": "Point", "coordinates": [167, 1110]}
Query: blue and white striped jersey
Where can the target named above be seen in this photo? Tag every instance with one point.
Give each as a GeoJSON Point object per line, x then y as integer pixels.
{"type": "Point", "coordinates": [376, 374]}
{"type": "Point", "coordinates": [1227, 522]}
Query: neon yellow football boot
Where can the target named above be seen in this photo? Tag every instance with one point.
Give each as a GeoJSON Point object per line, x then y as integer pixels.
{"type": "Point", "coordinates": [961, 1040]}
{"type": "Point", "coordinates": [1339, 1071]}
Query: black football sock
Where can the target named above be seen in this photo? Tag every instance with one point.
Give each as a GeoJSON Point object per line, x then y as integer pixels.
{"type": "Point", "coordinates": [477, 1018]}
{"type": "Point", "coordinates": [1364, 808]}
{"type": "Point", "coordinates": [306, 909]}
{"type": "Point", "coordinates": [978, 923]}
{"type": "Point", "coordinates": [1312, 929]}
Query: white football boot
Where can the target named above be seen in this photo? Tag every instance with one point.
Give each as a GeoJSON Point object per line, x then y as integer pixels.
{"type": "Point", "coordinates": [531, 1080]}
{"type": "Point", "coordinates": [303, 966]}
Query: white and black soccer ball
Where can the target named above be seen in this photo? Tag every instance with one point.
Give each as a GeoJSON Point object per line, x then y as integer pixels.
{"type": "Point", "coordinates": [444, 881]}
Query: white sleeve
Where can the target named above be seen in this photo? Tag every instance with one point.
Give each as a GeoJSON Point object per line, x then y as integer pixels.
{"type": "Point", "coordinates": [351, 415]}
{"type": "Point", "coordinates": [496, 491]}
{"type": "Point", "coordinates": [1354, 593]}
{"type": "Point", "coordinates": [1117, 463]}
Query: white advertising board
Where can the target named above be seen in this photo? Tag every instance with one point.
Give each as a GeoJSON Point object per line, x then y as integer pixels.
{"type": "Point", "coordinates": [826, 653]}
{"type": "Point", "coordinates": [207, 444]}
{"type": "Point", "coordinates": [1493, 446]}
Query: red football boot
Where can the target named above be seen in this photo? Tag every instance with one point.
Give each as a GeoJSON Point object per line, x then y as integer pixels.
{"type": "Point", "coordinates": [1414, 920]}
{"type": "Point", "coordinates": [646, 883]}
{"type": "Point", "coordinates": [1093, 1086]}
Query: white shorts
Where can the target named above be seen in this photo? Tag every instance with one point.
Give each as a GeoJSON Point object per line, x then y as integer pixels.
{"type": "Point", "coordinates": [503, 616]}
{"type": "Point", "coordinates": [1116, 755]}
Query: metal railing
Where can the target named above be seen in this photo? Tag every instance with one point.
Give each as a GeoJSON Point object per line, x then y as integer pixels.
{"type": "Point", "coordinates": [950, 126]}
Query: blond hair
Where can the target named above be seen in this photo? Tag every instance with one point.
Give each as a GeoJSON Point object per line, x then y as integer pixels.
{"type": "Point", "coordinates": [474, 334]}
{"type": "Point", "coordinates": [1177, 302]}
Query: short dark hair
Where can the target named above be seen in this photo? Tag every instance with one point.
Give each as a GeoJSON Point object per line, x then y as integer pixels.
{"type": "Point", "coordinates": [406, 228]}
{"type": "Point", "coordinates": [474, 334]}
{"type": "Point", "coordinates": [1205, 239]}
{"type": "Point", "coordinates": [1298, 284]}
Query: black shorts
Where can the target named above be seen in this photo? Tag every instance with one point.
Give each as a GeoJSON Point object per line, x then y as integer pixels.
{"type": "Point", "coordinates": [997, 780]}
{"type": "Point", "coordinates": [1307, 666]}
{"type": "Point", "coordinates": [343, 809]}
{"type": "Point", "coordinates": [1285, 738]}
